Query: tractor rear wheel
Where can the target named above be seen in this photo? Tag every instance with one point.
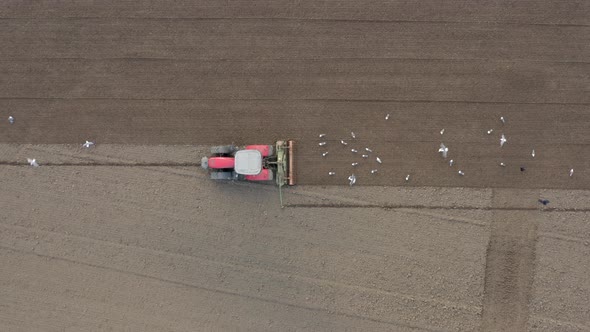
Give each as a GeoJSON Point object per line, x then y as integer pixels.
{"type": "Point", "coordinates": [223, 149]}
{"type": "Point", "coordinates": [222, 175]}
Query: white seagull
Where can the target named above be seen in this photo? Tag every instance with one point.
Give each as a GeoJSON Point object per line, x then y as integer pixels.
{"type": "Point", "coordinates": [11, 119]}
{"type": "Point", "coordinates": [533, 153]}
{"type": "Point", "coordinates": [461, 173]}
{"type": "Point", "coordinates": [32, 162]}
{"type": "Point", "coordinates": [502, 119]}
{"type": "Point", "coordinates": [378, 160]}
{"type": "Point", "coordinates": [88, 144]}
{"type": "Point", "coordinates": [571, 172]}
{"type": "Point", "coordinates": [408, 177]}
{"type": "Point", "coordinates": [444, 150]}
{"type": "Point", "coordinates": [387, 116]}
{"type": "Point", "coordinates": [352, 179]}
{"type": "Point", "coordinates": [503, 140]}
{"type": "Point", "coordinates": [442, 131]}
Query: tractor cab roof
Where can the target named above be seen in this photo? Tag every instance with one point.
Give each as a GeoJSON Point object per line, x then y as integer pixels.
{"type": "Point", "coordinates": [248, 162]}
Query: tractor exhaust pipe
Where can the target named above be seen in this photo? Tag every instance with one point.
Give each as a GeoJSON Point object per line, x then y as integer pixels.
{"type": "Point", "coordinates": [291, 173]}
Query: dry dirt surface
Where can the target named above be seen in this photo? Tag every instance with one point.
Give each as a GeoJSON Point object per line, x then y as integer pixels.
{"type": "Point", "coordinates": [131, 235]}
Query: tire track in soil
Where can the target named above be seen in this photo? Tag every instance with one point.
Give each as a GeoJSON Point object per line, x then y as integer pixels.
{"type": "Point", "coordinates": [434, 207]}
{"type": "Point", "coordinates": [510, 268]}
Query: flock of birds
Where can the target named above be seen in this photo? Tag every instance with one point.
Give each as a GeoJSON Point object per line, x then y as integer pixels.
{"type": "Point", "coordinates": [366, 153]}
{"type": "Point", "coordinates": [32, 161]}
{"type": "Point", "coordinates": [443, 150]}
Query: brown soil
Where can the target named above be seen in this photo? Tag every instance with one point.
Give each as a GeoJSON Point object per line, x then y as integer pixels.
{"type": "Point", "coordinates": [132, 235]}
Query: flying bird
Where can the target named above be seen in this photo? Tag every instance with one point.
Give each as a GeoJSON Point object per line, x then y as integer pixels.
{"type": "Point", "coordinates": [444, 150]}
{"type": "Point", "coordinates": [352, 180]}
{"type": "Point", "coordinates": [503, 140]}
{"type": "Point", "coordinates": [32, 162]}
{"type": "Point", "coordinates": [88, 144]}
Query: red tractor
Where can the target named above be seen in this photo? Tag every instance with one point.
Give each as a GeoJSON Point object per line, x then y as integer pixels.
{"type": "Point", "coordinates": [252, 163]}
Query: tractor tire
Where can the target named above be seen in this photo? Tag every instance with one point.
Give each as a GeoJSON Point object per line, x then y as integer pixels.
{"type": "Point", "coordinates": [223, 149]}
{"type": "Point", "coordinates": [223, 175]}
